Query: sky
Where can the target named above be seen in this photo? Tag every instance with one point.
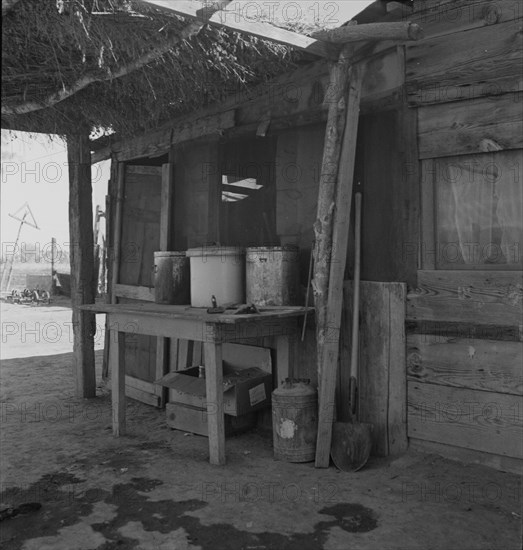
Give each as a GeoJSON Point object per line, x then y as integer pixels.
{"type": "Point", "coordinates": [34, 170]}
{"type": "Point", "coordinates": [325, 12]}
{"type": "Point", "coordinates": [34, 166]}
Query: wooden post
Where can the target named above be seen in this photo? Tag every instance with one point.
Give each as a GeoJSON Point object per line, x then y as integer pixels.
{"type": "Point", "coordinates": [166, 222]}
{"type": "Point", "coordinates": [82, 262]}
{"type": "Point", "coordinates": [328, 346]}
{"type": "Point", "coordinates": [327, 187]}
{"type": "Point", "coordinates": [111, 202]}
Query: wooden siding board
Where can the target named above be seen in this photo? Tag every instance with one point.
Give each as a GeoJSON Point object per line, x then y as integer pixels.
{"type": "Point", "coordinates": [440, 18]}
{"type": "Point", "coordinates": [480, 420]}
{"type": "Point", "coordinates": [466, 363]}
{"type": "Point", "coordinates": [482, 297]}
{"type": "Point", "coordinates": [503, 463]}
{"type": "Point", "coordinates": [474, 330]}
{"type": "Point", "coordinates": [465, 65]}
{"type": "Point", "coordinates": [459, 128]}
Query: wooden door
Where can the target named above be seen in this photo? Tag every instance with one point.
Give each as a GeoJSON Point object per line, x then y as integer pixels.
{"type": "Point", "coordinates": [138, 230]}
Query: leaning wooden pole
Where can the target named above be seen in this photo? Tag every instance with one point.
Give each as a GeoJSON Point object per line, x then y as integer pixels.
{"type": "Point", "coordinates": [340, 241]}
{"type": "Point", "coordinates": [82, 262]}
{"type": "Point", "coordinates": [335, 96]}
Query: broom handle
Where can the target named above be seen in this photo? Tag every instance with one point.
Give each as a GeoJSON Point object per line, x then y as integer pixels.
{"type": "Point", "coordinates": [355, 301]}
{"type": "Point", "coordinates": [307, 294]}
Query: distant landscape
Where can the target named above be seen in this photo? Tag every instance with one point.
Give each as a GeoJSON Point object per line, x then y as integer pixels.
{"type": "Point", "coordinates": [22, 269]}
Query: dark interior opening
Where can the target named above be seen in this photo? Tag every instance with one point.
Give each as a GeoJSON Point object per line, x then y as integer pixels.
{"type": "Point", "coordinates": [247, 193]}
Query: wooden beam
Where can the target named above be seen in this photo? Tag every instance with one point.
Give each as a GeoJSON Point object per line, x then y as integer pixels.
{"type": "Point", "coordinates": [236, 21]}
{"type": "Point", "coordinates": [371, 31]}
{"type": "Point", "coordinates": [82, 262]}
{"type": "Point", "coordinates": [326, 193]}
{"type": "Point", "coordinates": [157, 142]}
{"type": "Point", "coordinates": [329, 345]}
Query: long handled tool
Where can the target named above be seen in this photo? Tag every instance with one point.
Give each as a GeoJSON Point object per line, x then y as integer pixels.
{"type": "Point", "coordinates": [351, 441]}
{"type": "Point", "coordinates": [307, 294]}
{"type": "Point", "coordinates": [354, 363]}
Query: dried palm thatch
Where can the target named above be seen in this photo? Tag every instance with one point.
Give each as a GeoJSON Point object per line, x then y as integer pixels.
{"type": "Point", "coordinates": [50, 48]}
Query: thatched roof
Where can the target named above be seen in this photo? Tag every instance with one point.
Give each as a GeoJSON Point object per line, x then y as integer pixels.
{"type": "Point", "coordinates": [49, 47]}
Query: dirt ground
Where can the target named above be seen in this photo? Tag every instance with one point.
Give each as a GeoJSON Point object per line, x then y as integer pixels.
{"type": "Point", "coordinates": [154, 488]}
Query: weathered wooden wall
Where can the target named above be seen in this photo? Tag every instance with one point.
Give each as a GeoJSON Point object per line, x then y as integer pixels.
{"type": "Point", "coordinates": [464, 341]}
{"type": "Point", "coordinates": [295, 105]}
{"type": "Point", "coordinates": [454, 95]}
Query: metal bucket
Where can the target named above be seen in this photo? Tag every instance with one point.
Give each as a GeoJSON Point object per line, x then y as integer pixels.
{"type": "Point", "coordinates": [295, 421]}
{"type": "Point", "coordinates": [217, 271]}
{"type": "Point", "coordinates": [171, 278]}
{"type": "Point", "coordinates": [272, 275]}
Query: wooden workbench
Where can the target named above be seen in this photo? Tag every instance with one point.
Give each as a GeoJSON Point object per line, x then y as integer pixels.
{"type": "Point", "coordinates": [196, 324]}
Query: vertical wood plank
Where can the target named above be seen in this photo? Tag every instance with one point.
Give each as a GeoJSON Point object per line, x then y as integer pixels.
{"type": "Point", "coordinates": [166, 222]}
{"type": "Point", "coordinates": [340, 239]}
{"type": "Point", "coordinates": [382, 380]}
{"type": "Point", "coordinates": [82, 262]}
{"type": "Point", "coordinates": [117, 228]}
{"type": "Point", "coordinates": [427, 249]}
{"type": "Point", "coordinates": [339, 76]}
{"type": "Point", "coordinates": [118, 382]}
{"type": "Point", "coordinates": [397, 410]}
{"type": "Point", "coordinates": [110, 209]}
{"type": "Point", "coordinates": [214, 398]}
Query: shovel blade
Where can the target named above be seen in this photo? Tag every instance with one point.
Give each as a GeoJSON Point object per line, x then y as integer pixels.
{"type": "Point", "coordinates": [351, 445]}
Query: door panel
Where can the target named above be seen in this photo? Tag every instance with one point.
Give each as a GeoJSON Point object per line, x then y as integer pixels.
{"type": "Point", "coordinates": [139, 238]}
